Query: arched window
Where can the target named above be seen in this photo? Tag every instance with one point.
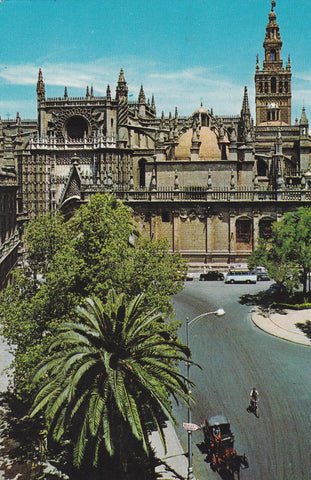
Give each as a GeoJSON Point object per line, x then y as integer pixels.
{"type": "Point", "coordinates": [77, 127]}
{"type": "Point", "coordinates": [165, 216]}
{"type": "Point", "coordinates": [273, 85]}
{"type": "Point", "coordinates": [281, 87]}
{"type": "Point", "coordinates": [260, 87]}
{"type": "Point", "coordinates": [261, 168]}
{"type": "Point", "coordinates": [142, 172]}
{"type": "Point", "coordinates": [265, 228]}
{"type": "Point", "coordinates": [244, 230]}
{"type": "Point", "coordinates": [266, 87]}
{"type": "Point", "coordinates": [272, 55]}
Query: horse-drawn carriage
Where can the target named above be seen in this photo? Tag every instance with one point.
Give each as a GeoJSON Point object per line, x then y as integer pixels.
{"type": "Point", "coordinates": [219, 445]}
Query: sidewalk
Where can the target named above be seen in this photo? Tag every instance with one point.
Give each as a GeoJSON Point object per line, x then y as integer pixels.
{"type": "Point", "coordinates": [174, 461]}
{"type": "Point", "coordinates": [283, 325]}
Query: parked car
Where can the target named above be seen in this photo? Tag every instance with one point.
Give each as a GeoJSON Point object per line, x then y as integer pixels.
{"type": "Point", "coordinates": [260, 269]}
{"type": "Point", "coordinates": [240, 276]}
{"type": "Point", "coordinates": [212, 275]}
{"type": "Point", "coordinates": [189, 277]}
{"type": "Point", "coordinates": [262, 276]}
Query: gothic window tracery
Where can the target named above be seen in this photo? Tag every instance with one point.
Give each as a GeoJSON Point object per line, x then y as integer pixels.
{"type": "Point", "coordinates": [77, 127]}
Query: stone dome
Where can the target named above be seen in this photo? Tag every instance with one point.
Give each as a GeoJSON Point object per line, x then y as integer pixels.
{"type": "Point", "coordinates": [201, 109]}
{"type": "Point", "coordinates": [210, 149]}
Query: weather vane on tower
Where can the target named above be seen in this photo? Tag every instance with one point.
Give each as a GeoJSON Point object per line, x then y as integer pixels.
{"type": "Point", "coordinates": [273, 4]}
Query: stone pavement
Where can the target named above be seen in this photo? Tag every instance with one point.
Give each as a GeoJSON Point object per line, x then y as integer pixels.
{"type": "Point", "coordinates": [282, 325]}
{"type": "Point", "coordinates": [174, 461]}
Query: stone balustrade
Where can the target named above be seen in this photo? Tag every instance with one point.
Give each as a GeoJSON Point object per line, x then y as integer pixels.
{"type": "Point", "coordinates": [53, 143]}
{"type": "Point", "coordinates": [203, 194]}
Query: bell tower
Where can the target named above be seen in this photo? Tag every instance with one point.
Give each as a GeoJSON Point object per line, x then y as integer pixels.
{"type": "Point", "coordinates": [273, 82]}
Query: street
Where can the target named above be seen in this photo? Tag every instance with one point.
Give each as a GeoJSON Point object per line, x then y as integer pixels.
{"type": "Point", "coordinates": [236, 356]}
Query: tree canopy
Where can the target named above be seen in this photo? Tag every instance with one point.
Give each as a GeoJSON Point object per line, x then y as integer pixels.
{"type": "Point", "coordinates": [99, 248]}
{"type": "Point", "coordinates": [287, 254]}
{"type": "Point", "coordinates": [111, 371]}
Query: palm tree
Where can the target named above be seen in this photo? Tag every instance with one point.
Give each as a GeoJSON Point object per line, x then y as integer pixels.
{"type": "Point", "coordinates": [114, 368]}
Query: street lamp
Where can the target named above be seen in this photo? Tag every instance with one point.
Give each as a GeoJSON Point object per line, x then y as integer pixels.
{"type": "Point", "coordinates": [219, 313]}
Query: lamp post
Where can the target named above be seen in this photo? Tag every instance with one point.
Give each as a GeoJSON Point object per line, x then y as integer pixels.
{"type": "Point", "coordinates": [220, 312]}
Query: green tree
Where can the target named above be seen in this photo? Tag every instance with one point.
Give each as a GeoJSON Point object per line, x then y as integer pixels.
{"type": "Point", "coordinates": [110, 373]}
{"type": "Point", "coordinates": [150, 269]}
{"type": "Point", "coordinates": [42, 239]}
{"type": "Point", "coordinates": [85, 256]}
{"type": "Point", "coordinates": [271, 254]}
{"type": "Point", "coordinates": [288, 251]}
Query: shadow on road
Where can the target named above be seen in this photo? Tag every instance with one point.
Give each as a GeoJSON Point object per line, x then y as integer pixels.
{"type": "Point", "coordinates": [262, 299]}
{"type": "Point", "coordinates": [272, 295]}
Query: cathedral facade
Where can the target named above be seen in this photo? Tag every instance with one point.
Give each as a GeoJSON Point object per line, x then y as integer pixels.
{"type": "Point", "coordinates": [211, 184]}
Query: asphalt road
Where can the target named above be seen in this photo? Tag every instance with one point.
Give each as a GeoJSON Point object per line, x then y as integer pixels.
{"type": "Point", "coordinates": [235, 356]}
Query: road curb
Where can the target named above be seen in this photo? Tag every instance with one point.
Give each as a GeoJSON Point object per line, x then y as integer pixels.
{"type": "Point", "coordinates": [271, 328]}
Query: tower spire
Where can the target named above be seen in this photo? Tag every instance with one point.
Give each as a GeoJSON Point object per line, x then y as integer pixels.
{"type": "Point", "coordinates": [272, 43]}
{"type": "Point", "coordinates": [108, 93]}
{"type": "Point", "coordinates": [121, 90]}
{"type": "Point", "coordinates": [40, 87]}
{"type": "Point", "coordinates": [141, 96]}
{"type": "Point", "coordinates": [245, 112]}
{"type": "Point", "coordinates": [153, 103]}
{"type": "Point", "coordinates": [245, 123]}
{"type": "Point", "coordinates": [273, 82]}
{"type": "Point", "coordinates": [121, 76]}
{"type": "Point", "coordinates": [142, 102]}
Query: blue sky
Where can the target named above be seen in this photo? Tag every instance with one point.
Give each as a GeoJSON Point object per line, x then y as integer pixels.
{"type": "Point", "coordinates": [183, 51]}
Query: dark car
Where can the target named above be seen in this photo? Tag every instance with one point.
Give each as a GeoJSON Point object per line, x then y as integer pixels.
{"type": "Point", "coordinates": [262, 276]}
{"type": "Point", "coordinates": [212, 275]}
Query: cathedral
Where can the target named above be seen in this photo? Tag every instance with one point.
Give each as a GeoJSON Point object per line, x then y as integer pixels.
{"type": "Point", "coordinates": [211, 184]}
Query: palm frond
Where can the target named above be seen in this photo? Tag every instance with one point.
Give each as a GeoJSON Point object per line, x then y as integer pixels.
{"type": "Point", "coordinates": [79, 375]}
{"type": "Point", "coordinates": [79, 448]}
{"type": "Point", "coordinates": [45, 395]}
{"type": "Point", "coordinates": [95, 412]}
